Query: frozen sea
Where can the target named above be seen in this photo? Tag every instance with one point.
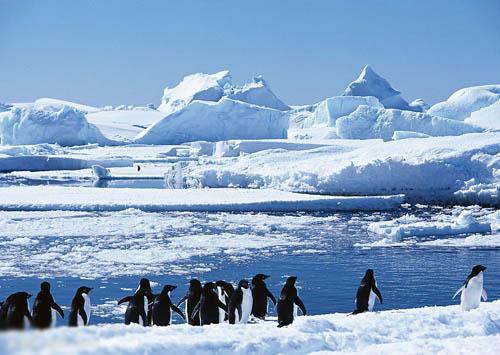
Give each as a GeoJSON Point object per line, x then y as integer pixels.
{"type": "Point", "coordinates": [329, 252]}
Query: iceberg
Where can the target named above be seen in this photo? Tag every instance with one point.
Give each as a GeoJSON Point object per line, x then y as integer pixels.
{"type": "Point", "coordinates": [370, 122]}
{"type": "Point", "coordinates": [65, 126]}
{"type": "Point", "coordinates": [216, 121]}
{"type": "Point", "coordinates": [327, 111]}
{"type": "Point", "coordinates": [370, 83]}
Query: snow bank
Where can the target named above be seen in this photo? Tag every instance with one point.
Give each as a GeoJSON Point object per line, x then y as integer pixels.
{"type": "Point", "coordinates": [476, 101]}
{"type": "Point", "coordinates": [370, 83]}
{"type": "Point", "coordinates": [409, 226]}
{"type": "Point", "coordinates": [408, 134]}
{"type": "Point", "coordinates": [45, 198]}
{"type": "Point", "coordinates": [235, 148]}
{"type": "Point", "coordinates": [329, 110]}
{"type": "Point", "coordinates": [56, 105]}
{"type": "Point", "coordinates": [216, 121]}
{"type": "Point", "coordinates": [370, 122]}
{"type": "Point", "coordinates": [31, 125]}
{"type": "Point", "coordinates": [257, 93]}
{"type": "Point", "coordinates": [412, 331]}
{"type": "Point", "coordinates": [200, 86]}
{"type": "Point", "coordinates": [429, 172]}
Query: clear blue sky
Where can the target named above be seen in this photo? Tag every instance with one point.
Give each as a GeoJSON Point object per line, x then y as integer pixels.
{"type": "Point", "coordinates": [116, 51]}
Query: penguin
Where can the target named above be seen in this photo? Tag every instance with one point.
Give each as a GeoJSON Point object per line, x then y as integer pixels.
{"type": "Point", "coordinates": [288, 298]}
{"type": "Point", "coordinates": [241, 301]}
{"type": "Point", "coordinates": [207, 308]}
{"type": "Point", "coordinates": [137, 309]}
{"type": "Point", "coordinates": [472, 290]}
{"type": "Point", "coordinates": [15, 313]}
{"type": "Point", "coordinates": [80, 308]}
{"type": "Point", "coordinates": [260, 295]}
{"type": "Point", "coordinates": [161, 307]}
{"type": "Point", "coordinates": [367, 292]}
{"type": "Point", "coordinates": [192, 298]}
{"type": "Point", "coordinates": [45, 308]}
{"type": "Point", "coordinates": [224, 290]}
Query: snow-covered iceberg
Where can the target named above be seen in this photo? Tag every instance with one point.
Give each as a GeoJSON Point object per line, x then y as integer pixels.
{"type": "Point", "coordinates": [57, 104]}
{"type": "Point", "coordinates": [327, 111]}
{"type": "Point", "coordinates": [65, 126]}
{"type": "Point", "coordinates": [371, 122]}
{"type": "Point", "coordinates": [216, 121]}
{"type": "Point", "coordinates": [370, 83]}
{"type": "Point", "coordinates": [479, 105]}
{"type": "Point", "coordinates": [212, 87]}
{"type": "Point", "coordinates": [439, 330]}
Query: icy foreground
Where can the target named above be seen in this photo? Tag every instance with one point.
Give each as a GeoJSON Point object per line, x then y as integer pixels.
{"type": "Point", "coordinates": [412, 331]}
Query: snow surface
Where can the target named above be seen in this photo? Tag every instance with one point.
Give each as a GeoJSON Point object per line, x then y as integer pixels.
{"type": "Point", "coordinates": [56, 105]}
{"type": "Point", "coordinates": [215, 121]}
{"type": "Point", "coordinates": [408, 134]}
{"type": "Point", "coordinates": [370, 122]}
{"type": "Point", "coordinates": [327, 111]}
{"type": "Point", "coordinates": [64, 126]}
{"type": "Point", "coordinates": [446, 330]}
{"type": "Point", "coordinates": [45, 198]}
{"type": "Point", "coordinates": [370, 83]}
{"type": "Point", "coordinates": [477, 104]}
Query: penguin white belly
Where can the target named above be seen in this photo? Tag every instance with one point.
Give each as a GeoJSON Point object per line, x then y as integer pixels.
{"type": "Point", "coordinates": [86, 308]}
{"type": "Point", "coordinates": [471, 295]}
{"type": "Point", "coordinates": [371, 300]}
{"type": "Point", "coordinates": [145, 310]}
{"type": "Point", "coordinates": [222, 298]}
{"type": "Point", "coordinates": [246, 305]}
{"type": "Point", "coordinates": [54, 318]}
{"type": "Point", "coordinates": [186, 311]}
{"type": "Point", "coordinates": [26, 323]}
{"type": "Point", "coordinates": [295, 307]}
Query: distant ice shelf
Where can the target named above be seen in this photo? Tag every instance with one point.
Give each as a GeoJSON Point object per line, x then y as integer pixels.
{"type": "Point", "coordinates": [45, 198]}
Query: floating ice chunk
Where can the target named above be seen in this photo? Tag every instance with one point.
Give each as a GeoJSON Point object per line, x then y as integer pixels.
{"type": "Point", "coordinates": [100, 172]}
{"type": "Point", "coordinates": [369, 122]}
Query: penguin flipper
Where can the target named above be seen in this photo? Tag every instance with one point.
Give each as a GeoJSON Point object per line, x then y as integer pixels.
{"type": "Point", "coordinates": [270, 295]}
{"type": "Point", "coordinates": [81, 312]}
{"type": "Point", "coordinates": [196, 309]}
{"type": "Point", "coordinates": [484, 295]}
{"type": "Point", "coordinates": [459, 290]}
{"type": "Point", "coordinates": [223, 306]}
{"type": "Point", "coordinates": [58, 309]}
{"type": "Point", "coordinates": [144, 317]}
{"type": "Point", "coordinates": [377, 293]}
{"type": "Point", "coordinates": [125, 299]}
{"type": "Point", "coordinates": [240, 312]}
{"type": "Point", "coordinates": [299, 303]}
{"type": "Point", "coordinates": [179, 312]}
{"type": "Point", "coordinates": [182, 300]}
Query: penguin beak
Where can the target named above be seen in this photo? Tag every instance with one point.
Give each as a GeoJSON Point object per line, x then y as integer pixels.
{"type": "Point", "coordinates": [266, 277]}
{"type": "Point", "coordinates": [484, 268]}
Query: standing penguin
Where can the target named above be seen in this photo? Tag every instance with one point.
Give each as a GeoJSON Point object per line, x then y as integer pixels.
{"type": "Point", "coordinates": [472, 289]}
{"type": "Point", "coordinates": [207, 308]}
{"type": "Point", "coordinates": [192, 298]}
{"type": "Point", "coordinates": [45, 308]}
{"type": "Point", "coordinates": [367, 292]}
{"type": "Point", "coordinates": [80, 308]}
{"type": "Point", "coordinates": [161, 308]}
{"type": "Point", "coordinates": [288, 298]}
{"type": "Point", "coordinates": [15, 312]}
{"type": "Point", "coordinates": [224, 290]}
{"type": "Point", "coordinates": [137, 309]}
{"type": "Point", "coordinates": [260, 295]}
{"type": "Point", "coordinates": [242, 302]}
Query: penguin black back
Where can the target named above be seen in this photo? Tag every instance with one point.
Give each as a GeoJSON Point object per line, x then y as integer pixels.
{"type": "Point", "coordinates": [42, 307]}
{"type": "Point", "coordinates": [192, 298]}
{"type": "Point", "coordinates": [260, 294]}
{"type": "Point", "coordinates": [288, 298]}
{"type": "Point", "coordinates": [138, 304]}
{"type": "Point", "coordinates": [208, 306]}
{"type": "Point", "coordinates": [17, 312]}
{"type": "Point", "coordinates": [162, 307]}
{"type": "Point", "coordinates": [365, 289]}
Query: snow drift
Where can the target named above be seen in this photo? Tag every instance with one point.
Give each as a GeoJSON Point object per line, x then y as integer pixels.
{"type": "Point", "coordinates": [32, 125]}
{"type": "Point", "coordinates": [412, 331]}
{"type": "Point", "coordinates": [371, 122]}
{"type": "Point", "coordinates": [213, 87]}
{"type": "Point", "coordinates": [327, 111]}
{"type": "Point", "coordinates": [478, 104]}
{"type": "Point", "coordinates": [370, 83]}
{"type": "Point", "coordinates": [215, 121]}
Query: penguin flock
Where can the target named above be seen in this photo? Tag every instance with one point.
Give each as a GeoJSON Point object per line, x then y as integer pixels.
{"type": "Point", "coordinates": [211, 303]}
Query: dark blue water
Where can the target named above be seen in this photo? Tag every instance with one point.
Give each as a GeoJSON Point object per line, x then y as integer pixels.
{"type": "Point", "coordinates": [412, 276]}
